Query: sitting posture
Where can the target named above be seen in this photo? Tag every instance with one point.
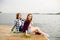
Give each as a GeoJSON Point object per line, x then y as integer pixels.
{"type": "Point", "coordinates": [30, 29]}
{"type": "Point", "coordinates": [18, 23]}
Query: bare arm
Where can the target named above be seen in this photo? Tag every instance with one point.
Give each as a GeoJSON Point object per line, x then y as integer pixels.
{"type": "Point", "coordinates": [14, 25]}
{"type": "Point", "coordinates": [31, 24]}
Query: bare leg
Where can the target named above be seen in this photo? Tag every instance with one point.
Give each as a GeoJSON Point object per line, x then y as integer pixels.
{"type": "Point", "coordinates": [42, 33]}
{"type": "Point", "coordinates": [37, 29]}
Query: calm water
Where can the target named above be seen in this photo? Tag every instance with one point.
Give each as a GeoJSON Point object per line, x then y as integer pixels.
{"type": "Point", "coordinates": [49, 24]}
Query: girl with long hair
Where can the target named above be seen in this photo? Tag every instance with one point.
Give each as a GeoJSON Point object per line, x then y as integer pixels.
{"type": "Point", "coordinates": [28, 26]}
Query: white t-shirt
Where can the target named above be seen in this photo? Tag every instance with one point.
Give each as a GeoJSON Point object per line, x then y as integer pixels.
{"type": "Point", "coordinates": [19, 22]}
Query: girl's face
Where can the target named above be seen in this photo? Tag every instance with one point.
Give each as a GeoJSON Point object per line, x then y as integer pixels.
{"type": "Point", "coordinates": [20, 15]}
{"type": "Point", "coordinates": [29, 17]}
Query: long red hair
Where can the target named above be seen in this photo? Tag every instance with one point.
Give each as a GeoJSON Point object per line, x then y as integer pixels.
{"type": "Point", "coordinates": [27, 17]}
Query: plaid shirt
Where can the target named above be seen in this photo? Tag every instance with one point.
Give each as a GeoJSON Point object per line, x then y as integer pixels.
{"type": "Point", "coordinates": [17, 25]}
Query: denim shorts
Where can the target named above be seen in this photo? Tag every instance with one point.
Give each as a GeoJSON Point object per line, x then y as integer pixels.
{"type": "Point", "coordinates": [29, 31]}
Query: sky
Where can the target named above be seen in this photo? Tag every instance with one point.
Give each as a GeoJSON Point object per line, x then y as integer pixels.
{"type": "Point", "coordinates": [30, 6]}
